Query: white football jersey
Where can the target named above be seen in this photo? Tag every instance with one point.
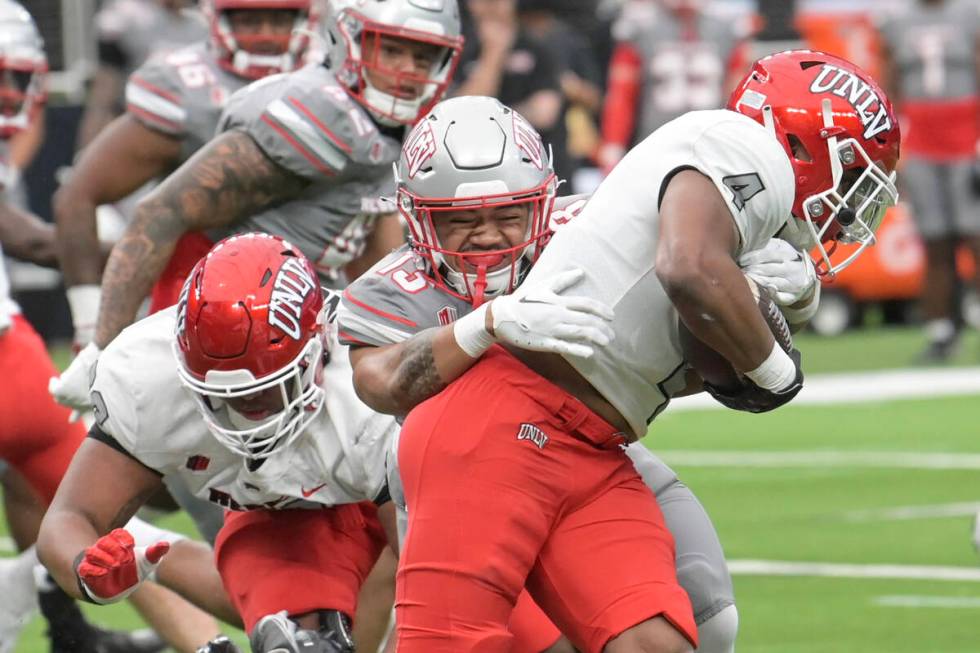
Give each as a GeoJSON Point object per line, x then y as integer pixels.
{"type": "Point", "coordinates": [141, 403]}
{"type": "Point", "coordinates": [614, 240]}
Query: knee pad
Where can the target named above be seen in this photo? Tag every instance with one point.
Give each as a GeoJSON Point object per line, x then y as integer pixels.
{"type": "Point", "coordinates": [277, 633]}
{"type": "Point", "coordinates": [717, 633]}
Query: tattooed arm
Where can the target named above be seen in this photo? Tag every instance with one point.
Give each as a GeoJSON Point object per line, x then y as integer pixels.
{"type": "Point", "coordinates": [395, 378]}
{"type": "Point", "coordinates": [86, 507]}
{"type": "Point", "coordinates": [226, 181]}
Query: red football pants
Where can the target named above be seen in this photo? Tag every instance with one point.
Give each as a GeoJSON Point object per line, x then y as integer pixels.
{"type": "Point", "coordinates": [510, 480]}
{"type": "Point", "coordinates": [35, 436]}
{"type": "Point", "coordinates": [297, 560]}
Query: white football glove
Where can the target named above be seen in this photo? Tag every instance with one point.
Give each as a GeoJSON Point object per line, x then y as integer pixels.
{"type": "Point", "coordinates": [72, 387]}
{"type": "Point", "coordinates": [787, 273]}
{"type": "Point", "coordinates": [540, 319]}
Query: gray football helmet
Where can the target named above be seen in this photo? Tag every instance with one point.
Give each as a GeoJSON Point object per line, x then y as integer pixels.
{"type": "Point", "coordinates": [474, 152]}
{"type": "Point", "coordinates": [354, 25]}
{"type": "Point", "coordinates": [23, 66]}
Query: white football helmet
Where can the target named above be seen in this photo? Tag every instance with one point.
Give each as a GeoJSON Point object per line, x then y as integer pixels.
{"type": "Point", "coordinates": [474, 152]}
{"type": "Point", "coordinates": [23, 67]}
{"type": "Point", "coordinates": [353, 25]}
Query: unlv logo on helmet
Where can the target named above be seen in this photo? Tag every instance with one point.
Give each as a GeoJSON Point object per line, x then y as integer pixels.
{"type": "Point", "coordinates": [528, 140]}
{"type": "Point", "coordinates": [419, 148]}
{"type": "Point", "coordinates": [858, 93]}
{"type": "Point", "coordinates": [289, 292]}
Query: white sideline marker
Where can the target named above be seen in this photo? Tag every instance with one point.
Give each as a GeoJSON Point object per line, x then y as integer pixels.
{"type": "Point", "coordinates": [862, 387]}
{"type": "Point", "coordinates": [843, 570]}
{"type": "Point", "coordinates": [912, 601]}
{"type": "Point", "coordinates": [902, 513]}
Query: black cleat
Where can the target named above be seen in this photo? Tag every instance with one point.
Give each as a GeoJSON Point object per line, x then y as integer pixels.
{"type": "Point", "coordinates": [220, 644]}
{"type": "Point", "coordinates": [938, 352]}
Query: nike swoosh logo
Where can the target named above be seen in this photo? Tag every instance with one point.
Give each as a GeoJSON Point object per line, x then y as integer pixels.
{"type": "Point", "coordinates": [525, 300]}
{"type": "Point", "coordinates": [308, 493]}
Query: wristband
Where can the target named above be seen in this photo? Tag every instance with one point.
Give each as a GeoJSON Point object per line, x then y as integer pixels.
{"type": "Point", "coordinates": [471, 334]}
{"type": "Point", "coordinates": [83, 300]}
{"type": "Point", "coordinates": [776, 373]}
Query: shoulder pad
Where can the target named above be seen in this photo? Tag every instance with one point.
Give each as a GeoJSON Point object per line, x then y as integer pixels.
{"type": "Point", "coordinates": [157, 93]}
{"type": "Point", "coordinates": [304, 121]}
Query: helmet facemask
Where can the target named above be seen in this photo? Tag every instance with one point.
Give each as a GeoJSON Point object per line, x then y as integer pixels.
{"type": "Point", "coordinates": [478, 275]}
{"type": "Point", "coordinates": [365, 43]}
{"type": "Point", "coordinates": [254, 56]}
{"type": "Point", "coordinates": [298, 386]}
{"type": "Point", "coordinates": [852, 209]}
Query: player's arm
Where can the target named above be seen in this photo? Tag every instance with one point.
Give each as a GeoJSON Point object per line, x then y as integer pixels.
{"type": "Point", "coordinates": [87, 507]}
{"type": "Point", "coordinates": [696, 265]}
{"type": "Point", "coordinates": [227, 180]}
{"type": "Point", "coordinates": [386, 236]}
{"type": "Point", "coordinates": [394, 378]}
{"type": "Point", "coordinates": [124, 156]}
{"type": "Point", "coordinates": [25, 236]}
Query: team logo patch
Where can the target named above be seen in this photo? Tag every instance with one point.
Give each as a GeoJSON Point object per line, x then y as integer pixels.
{"type": "Point", "coordinates": [292, 286]}
{"type": "Point", "coordinates": [532, 433]}
{"type": "Point", "coordinates": [529, 141]}
{"type": "Point", "coordinates": [197, 463]}
{"type": "Point", "coordinates": [868, 106]}
{"type": "Point", "coordinates": [419, 148]}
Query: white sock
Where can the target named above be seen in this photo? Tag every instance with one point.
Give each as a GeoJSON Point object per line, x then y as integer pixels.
{"type": "Point", "coordinates": [940, 330]}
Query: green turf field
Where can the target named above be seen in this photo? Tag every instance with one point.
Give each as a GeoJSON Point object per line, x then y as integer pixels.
{"type": "Point", "coordinates": [868, 486]}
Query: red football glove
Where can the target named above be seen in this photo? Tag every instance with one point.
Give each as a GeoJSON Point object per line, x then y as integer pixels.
{"type": "Point", "coordinates": [113, 567]}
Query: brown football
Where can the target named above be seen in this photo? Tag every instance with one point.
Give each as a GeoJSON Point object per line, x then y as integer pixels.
{"type": "Point", "coordinates": [715, 368]}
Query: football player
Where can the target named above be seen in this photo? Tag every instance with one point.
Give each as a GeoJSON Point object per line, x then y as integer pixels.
{"type": "Point", "coordinates": [515, 473]}
{"type": "Point", "coordinates": [173, 103]}
{"type": "Point", "coordinates": [36, 439]}
{"type": "Point", "coordinates": [305, 155]}
{"type": "Point", "coordinates": [398, 317]}
{"type": "Point", "coordinates": [240, 391]}
{"type": "Point", "coordinates": [670, 57]}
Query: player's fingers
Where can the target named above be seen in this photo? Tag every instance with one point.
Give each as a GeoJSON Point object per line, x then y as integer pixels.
{"type": "Point", "coordinates": [155, 552]}
{"type": "Point", "coordinates": [565, 347]}
{"type": "Point", "coordinates": [87, 569]}
{"type": "Point", "coordinates": [588, 305]}
{"type": "Point", "coordinates": [566, 279]}
{"type": "Point", "coordinates": [583, 333]}
{"type": "Point", "coordinates": [100, 558]}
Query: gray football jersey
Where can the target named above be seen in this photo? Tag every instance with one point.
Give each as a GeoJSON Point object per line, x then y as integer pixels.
{"type": "Point", "coordinates": [142, 28]}
{"type": "Point", "coordinates": [181, 94]}
{"type": "Point", "coordinates": [307, 123]}
{"type": "Point", "coordinates": [395, 300]}
{"type": "Point", "coordinates": [934, 48]}
{"type": "Point", "coordinates": [680, 73]}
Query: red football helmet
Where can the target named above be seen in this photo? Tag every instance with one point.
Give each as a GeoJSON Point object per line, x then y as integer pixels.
{"type": "Point", "coordinates": [256, 55]}
{"type": "Point", "coordinates": [23, 68]}
{"type": "Point", "coordinates": [250, 344]}
{"type": "Point", "coordinates": [842, 139]}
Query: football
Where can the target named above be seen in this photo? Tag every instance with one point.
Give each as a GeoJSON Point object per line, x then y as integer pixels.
{"type": "Point", "coordinates": [715, 368]}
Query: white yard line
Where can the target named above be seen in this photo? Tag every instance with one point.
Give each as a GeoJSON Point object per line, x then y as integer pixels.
{"type": "Point", "coordinates": [912, 601]}
{"type": "Point", "coordinates": [902, 513]}
{"type": "Point", "coordinates": [838, 570]}
{"type": "Point", "coordinates": [809, 459]}
{"type": "Point", "coordinates": [859, 387]}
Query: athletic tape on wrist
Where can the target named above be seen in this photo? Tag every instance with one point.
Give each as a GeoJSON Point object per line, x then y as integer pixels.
{"type": "Point", "coordinates": [776, 373]}
{"type": "Point", "coordinates": [471, 334]}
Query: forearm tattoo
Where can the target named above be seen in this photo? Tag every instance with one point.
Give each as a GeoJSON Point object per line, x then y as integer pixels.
{"type": "Point", "coordinates": [129, 508]}
{"type": "Point", "coordinates": [416, 378]}
{"type": "Point", "coordinates": [228, 180]}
